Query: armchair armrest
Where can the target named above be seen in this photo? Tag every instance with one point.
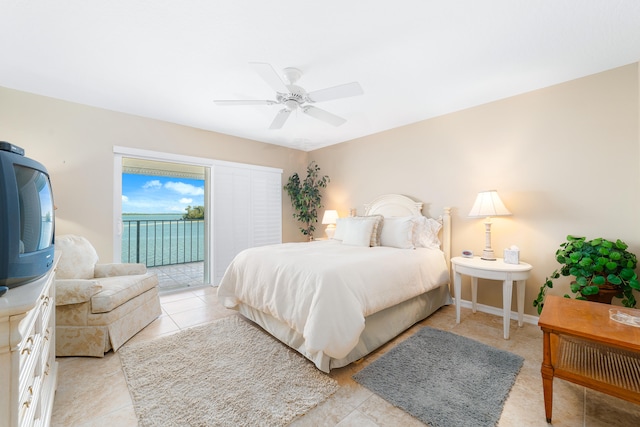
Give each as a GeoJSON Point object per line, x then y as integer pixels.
{"type": "Point", "coordinates": [75, 291]}
{"type": "Point", "coordinates": [118, 269]}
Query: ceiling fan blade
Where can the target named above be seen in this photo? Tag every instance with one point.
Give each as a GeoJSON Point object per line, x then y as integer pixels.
{"type": "Point", "coordinates": [270, 76]}
{"type": "Point", "coordinates": [280, 118]}
{"type": "Point", "coordinates": [323, 115]}
{"type": "Point", "coordinates": [243, 102]}
{"type": "Point", "coordinates": [335, 92]}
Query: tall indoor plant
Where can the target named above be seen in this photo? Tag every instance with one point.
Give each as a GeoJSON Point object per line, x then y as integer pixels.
{"type": "Point", "coordinates": [598, 265]}
{"type": "Point", "coordinates": [306, 198]}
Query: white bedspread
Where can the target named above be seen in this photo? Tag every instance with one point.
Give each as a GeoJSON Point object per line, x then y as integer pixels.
{"type": "Point", "coordinates": [325, 289]}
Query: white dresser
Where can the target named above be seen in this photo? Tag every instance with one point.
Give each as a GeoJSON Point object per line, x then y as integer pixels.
{"type": "Point", "coordinates": [28, 367]}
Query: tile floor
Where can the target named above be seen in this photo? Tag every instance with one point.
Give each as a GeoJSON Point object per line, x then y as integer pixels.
{"type": "Point", "coordinates": [93, 392]}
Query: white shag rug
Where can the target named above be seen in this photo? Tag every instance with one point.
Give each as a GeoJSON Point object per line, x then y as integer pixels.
{"type": "Point", "coordinates": [227, 373]}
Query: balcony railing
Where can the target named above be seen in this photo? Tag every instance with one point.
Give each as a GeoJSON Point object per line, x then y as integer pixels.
{"type": "Point", "coordinates": [162, 242]}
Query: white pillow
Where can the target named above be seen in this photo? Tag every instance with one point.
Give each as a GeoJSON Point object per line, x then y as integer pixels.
{"type": "Point", "coordinates": [425, 233]}
{"type": "Point", "coordinates": [358, 231]}
{"type": "Point", "coordinates": [343, 223]}
{"type": "Point", "coordinates": [341, 226]}
{"type": "Point", "coordinates": [397, 232]}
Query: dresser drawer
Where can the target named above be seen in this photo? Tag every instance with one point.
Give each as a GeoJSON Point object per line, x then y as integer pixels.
{"type": "Point", "coordinates": [30, 352]}
{"type": "Point", "coordinates": [29, 401]}
{"type": "Point", "coordinates": [28, 369]}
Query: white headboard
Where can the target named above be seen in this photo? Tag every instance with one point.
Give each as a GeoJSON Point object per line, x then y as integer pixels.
{"type": "Point", "coordinates": [393, 205]}
{"type": "Point", "coordinates": [398, 205]}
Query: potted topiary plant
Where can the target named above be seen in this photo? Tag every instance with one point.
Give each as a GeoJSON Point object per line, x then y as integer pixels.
{"type": "Point", "coordinates": [306, 198]}
{"type": "Point", "coordinates": [600, 267]}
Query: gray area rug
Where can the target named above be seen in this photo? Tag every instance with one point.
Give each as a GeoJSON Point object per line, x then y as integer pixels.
{"type": "Point", "coordinates": [227, 373]}
{"type": "Point", "coordinates": [444, 379]}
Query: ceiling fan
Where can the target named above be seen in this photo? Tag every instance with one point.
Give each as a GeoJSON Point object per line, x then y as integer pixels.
{"type": "Point", "coordinates": [294, 97]}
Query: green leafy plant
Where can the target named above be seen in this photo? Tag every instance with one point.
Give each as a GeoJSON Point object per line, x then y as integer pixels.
{"type": "Point", "coordinates": [595, 264]}
{"type": "Point", "coordinates": [306, 198]}
{"type": "Point", "coordinates": [195, 212]}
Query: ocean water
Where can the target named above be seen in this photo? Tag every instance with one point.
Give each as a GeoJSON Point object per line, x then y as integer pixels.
{"type": "Point", "coordinates": [157, 216]}
{"type": "Point", "coordinates": [161, 239]}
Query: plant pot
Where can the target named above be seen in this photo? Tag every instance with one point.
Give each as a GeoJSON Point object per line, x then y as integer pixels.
{"type": "Point", "coordinates": [604, 295]}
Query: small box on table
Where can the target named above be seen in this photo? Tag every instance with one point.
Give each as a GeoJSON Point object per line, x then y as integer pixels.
{"type": "Point", "coordinates": [512, 256]}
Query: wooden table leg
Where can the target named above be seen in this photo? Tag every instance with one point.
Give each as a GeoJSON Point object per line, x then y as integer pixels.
{"type": "Point", "coordinates": [547, 375]}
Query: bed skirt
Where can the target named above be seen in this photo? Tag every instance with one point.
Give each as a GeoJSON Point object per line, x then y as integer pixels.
{"type": "Point", "coordinates": [379, 328]}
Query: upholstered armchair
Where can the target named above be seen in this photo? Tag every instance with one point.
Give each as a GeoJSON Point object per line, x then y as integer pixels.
{"type": "Point", "coordinates": [99, 306]}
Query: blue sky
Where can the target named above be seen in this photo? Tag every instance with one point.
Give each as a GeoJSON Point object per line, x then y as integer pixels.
{"type": "Point", "coordinates": [158, 194]}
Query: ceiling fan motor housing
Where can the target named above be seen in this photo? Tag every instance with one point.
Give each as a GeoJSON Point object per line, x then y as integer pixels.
{"type": "Point", "coordinates": [295, 98]}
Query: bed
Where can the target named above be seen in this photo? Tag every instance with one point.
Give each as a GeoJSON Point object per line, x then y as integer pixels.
{"type": "Point", "coordinates": [337, 300]}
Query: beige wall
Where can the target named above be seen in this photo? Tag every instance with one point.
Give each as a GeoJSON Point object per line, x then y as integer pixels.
{"type": "Point", "coordinates": [565, 160]}
{"type": "Point", "coordinates": [75, 143]}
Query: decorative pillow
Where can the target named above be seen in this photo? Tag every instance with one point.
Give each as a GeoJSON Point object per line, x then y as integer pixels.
{"type": "Point", "coordinates": [425, 233]}
{"type": "Point", "coordinates": [78, 258]}
{"type": "Point", "coordinates": [377, 228]}
{"type": "Point", "coordinates": [358, 231]}
{"type": "Point", "coordinates": [397, 232]}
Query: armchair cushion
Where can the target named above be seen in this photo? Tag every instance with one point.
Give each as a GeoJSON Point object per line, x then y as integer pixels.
{"type": "Point", "coordinates": [75, 291]}
{"type": "Point", "coordinates": [126, 269]}
{"type": "Point", "coordinates": [78, 260]}
{"type": "Point", "coordinates": [118, 290]}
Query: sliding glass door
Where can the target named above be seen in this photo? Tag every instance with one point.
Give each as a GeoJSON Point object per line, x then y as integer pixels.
{"type": "Point", "coordinates": [178, 213]}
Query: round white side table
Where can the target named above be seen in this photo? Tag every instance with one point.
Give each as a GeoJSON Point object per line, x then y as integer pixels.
{"type": "Point", "coordinates": [494, 270]}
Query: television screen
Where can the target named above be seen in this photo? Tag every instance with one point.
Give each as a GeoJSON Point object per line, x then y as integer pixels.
{"type": "Point", "coordinates": [27, 218]}
{"type": "Point", "coordinates": [36, 209]}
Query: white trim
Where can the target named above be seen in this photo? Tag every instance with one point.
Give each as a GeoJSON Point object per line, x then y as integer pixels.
{"type": "Point", "coordinates": [180, 158]}
{"type": "Point", "coordinates": [208, 226]}
{"type": "Point", "coordinates": [528, 318]}
{"type": "Point", "coordinates": [117, 207]}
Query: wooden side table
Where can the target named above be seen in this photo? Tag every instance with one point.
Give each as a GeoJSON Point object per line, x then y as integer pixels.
{"type": "Point", "coordinates": [495, 270]}
{"type": "Point", "coordinates": [581, 344]}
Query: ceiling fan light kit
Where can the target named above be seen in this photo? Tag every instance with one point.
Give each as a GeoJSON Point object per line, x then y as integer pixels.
{"type": "Point", "coordinates": [294, 97]}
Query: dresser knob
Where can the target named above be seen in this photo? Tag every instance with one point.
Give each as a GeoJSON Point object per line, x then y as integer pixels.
{"type": "Point", "coordinates": [28, 402]}
{"type": "Point", "coordinates": [28, 348]}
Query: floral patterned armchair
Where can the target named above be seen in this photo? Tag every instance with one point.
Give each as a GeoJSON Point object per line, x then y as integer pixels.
{"type": "Point", "coordinates": [99, 306]}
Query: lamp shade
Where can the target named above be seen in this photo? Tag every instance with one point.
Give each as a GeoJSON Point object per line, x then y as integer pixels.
{"type": "Point", "coordinates": [488, 204]}
{"type": "Point", "coordinates": [330, 217]}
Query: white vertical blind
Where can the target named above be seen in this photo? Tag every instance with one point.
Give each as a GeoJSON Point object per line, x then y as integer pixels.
{"type": "Point", "coordinates": [266, 210]}
{"type": "Point", "coordinates": [247, 212]}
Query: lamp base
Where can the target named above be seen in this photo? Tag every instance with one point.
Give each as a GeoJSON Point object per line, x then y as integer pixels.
{"type": "Point", "coordinates": [488, 255]}
{"type": "Point", "coordinates": [330, 231]}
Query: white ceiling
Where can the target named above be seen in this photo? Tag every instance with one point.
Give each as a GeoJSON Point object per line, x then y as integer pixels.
{"type": "Point", "coordinates": [414, 59]}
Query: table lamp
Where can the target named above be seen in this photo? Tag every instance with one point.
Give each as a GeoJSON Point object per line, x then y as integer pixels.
{"type": "Point", "coordinates": [488, 204]}
{"type": "Point", "coordinates": [329, 218]}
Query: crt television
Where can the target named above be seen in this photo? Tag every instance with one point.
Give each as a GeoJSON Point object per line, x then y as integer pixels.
{"type": "Point", "coordinates": [26, 218]}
